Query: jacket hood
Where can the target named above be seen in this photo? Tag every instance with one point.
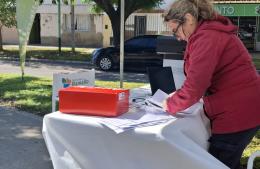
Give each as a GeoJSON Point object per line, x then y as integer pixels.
{"type": "Point", "coordinates": [220, 23]}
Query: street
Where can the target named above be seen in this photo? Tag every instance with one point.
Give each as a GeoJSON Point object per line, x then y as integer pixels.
{"type": "Point", "coordinates": [46, 69]}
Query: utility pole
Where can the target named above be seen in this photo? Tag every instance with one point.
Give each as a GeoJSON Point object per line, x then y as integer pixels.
{"type": "Point", "coordinates": [122, 41]}
{"type": "Point", "coordinates": [59, 26]}
{"type": "Point", "coordinates": [72, 7]}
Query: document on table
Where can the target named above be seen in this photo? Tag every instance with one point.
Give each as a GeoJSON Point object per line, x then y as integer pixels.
{"type": "Point", "coordinates": [140, 117]}
{"type": "Point", "coordinates": [146, 113]}
{"type": "Point", "coordinates": [150, 113]}
{"type": "Point", "coordinates": [158, 98]}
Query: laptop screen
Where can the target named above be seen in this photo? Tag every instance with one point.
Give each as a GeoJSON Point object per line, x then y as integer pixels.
{"type": "Point", "coordinates": [161, 78]}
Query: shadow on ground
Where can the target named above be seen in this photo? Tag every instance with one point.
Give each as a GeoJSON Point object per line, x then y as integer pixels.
{"type": "Point", "coordinates": [21, 142]}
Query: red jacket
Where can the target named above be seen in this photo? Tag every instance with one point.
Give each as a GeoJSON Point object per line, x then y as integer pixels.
{"type": "Point", "coordinates": [217, 63]}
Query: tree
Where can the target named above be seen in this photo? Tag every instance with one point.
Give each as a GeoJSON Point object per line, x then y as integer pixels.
{"type": "Point", "coordinates": [72, 19]}
{"type": "Point", "coordinates": [72, 16]}
{"type": "Point", "coordinates": [7, 16]}
{"type": "Point", "coordinates": [112, 9]}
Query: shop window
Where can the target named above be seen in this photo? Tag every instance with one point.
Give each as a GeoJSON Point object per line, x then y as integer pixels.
{"type": "Point", "coordinates": [247, 30]}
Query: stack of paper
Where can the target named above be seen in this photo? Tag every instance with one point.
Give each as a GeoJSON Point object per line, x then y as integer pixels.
{"type": "Point", "coordinates": [137, 118]}
{"type": "Point", "coordinates": [145, 112]}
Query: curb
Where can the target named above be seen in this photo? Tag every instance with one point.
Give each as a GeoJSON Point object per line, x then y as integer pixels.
{"type": "Point", "coordinates": [48, 61]}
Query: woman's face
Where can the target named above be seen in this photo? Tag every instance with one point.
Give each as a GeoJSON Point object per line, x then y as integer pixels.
{"type": "Point", "coordinates": [183, 30]}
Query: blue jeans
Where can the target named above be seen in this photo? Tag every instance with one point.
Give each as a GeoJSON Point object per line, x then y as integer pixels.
{"type": "Point", "coordinates": [228, 148]}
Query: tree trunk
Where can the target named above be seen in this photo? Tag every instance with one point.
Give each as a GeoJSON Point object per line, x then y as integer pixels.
{"type": "Point", "coordinates": [116, 29]}
{"type": "Point", "coordinates": [72, 7]}
{"type": "Point", "coordinates": [1, 40]}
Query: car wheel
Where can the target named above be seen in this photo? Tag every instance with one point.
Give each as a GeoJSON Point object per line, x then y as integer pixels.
{"type": "Point", "coordinates": [105, 63]}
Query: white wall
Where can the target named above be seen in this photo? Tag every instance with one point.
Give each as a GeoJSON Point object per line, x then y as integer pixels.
{"type": "Point", "coordinates": [10, 35]}
{"type": "Point", "coordinates": [49, 25]}
{"type": "Point", "coordinates": [49, 17]}
{"type": "Point", "coordinates": [98, 21]}
{"type": "Point", "coordinates": [49, 8]}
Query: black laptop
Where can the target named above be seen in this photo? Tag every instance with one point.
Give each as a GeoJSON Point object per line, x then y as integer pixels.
{"type": "Point", "coordinates": [161, 78]}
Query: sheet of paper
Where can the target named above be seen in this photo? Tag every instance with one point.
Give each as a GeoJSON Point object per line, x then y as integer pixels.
{"type": "Point", "coordinates": [139, 117]}
{"type": "Point", "coordinates": [158, 98]}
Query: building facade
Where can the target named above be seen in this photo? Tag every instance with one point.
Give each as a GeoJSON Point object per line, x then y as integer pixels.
{"type": "Point", "coordinates": [95, 30]}
{"type": "Point", "coordinates": [91, 30]}
{"type": "Point", "coordinates": [146, 23]}
{"type": "Point", "coordinates": [88, 26]}
{"type": "Point", "coordinates": [246, 15]}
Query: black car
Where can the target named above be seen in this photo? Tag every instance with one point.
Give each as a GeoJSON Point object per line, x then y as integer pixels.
{"type": "Point", "coordinates": [247, 38]}
{"type": "Point", "coordinates": [140, 52]}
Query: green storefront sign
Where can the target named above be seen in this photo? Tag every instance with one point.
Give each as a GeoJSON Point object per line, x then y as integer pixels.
{"type": "Point", "coordinates": [238, 9]}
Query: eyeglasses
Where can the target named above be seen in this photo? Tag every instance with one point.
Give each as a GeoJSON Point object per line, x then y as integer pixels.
{"type": "Point", "coordinates": [176, 30]}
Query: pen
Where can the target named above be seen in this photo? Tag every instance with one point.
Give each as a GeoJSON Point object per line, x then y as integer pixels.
{"type": "Point", "coordinates": [147, 102]}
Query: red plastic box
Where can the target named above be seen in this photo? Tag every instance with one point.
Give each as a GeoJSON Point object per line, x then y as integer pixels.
{"type": "Point", "coordinates": [94, 101]}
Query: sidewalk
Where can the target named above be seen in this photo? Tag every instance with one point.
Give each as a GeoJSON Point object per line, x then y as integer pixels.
{"type": "Point", "coordinates": [21, 143]}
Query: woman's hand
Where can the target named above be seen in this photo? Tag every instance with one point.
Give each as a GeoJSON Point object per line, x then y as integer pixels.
{"type": "Point", "coordinates": [165, 104]}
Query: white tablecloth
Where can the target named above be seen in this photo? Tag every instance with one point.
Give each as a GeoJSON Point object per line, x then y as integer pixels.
{"type": "Point", "coordinates": [81, 142]}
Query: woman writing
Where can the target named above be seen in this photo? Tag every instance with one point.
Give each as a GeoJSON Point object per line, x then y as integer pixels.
{"type": "Point", "coordinates": [218, 69]}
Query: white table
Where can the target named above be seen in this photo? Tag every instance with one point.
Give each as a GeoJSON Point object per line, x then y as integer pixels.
{"type": "Point", "coordinates": [81, 142]}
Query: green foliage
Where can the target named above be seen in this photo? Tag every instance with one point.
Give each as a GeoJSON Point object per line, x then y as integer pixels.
{"type": "Point", "coordinates": [66, 2]}
{"type": "Point", "coordinates": [7, 13]}
{"type": "Point", "coordinates": [95, 7]}
{"type": "Point", "coordinates": [257, 63]}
